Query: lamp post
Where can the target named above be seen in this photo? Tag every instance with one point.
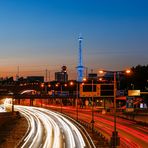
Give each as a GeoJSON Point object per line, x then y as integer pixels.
{"type": "Point", "coordinates": [92, 121]}
{"type": "Point", "coordinates": [71, 84]}
{"type": "Point", "coordinates": [92, 110]}
{"type": "Point", "coordinates": [60, 95]}
{"type": "Point", "coordinates": [77, 91]}
{"type": "Point", "coordinates": [115, 138]}
{"type": "Point", "coordinates": [76, 95]}
{"type": "Point", "coordinates": [61, 91]}
{"type": "Point", "coordinates": [42, 86]}
{"type": "Point", "coordinates": [115, 133]}
{"type": "Point", "coordinates": [49, 86]}
{"type": "Point", "coordinates": [61, 98]}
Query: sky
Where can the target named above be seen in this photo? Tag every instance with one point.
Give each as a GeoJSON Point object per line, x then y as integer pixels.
{"type": "Point", "coordinates": [43, 34]}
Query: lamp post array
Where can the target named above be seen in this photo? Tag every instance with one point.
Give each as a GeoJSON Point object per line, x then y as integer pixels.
{"type": "Point", "coordinates": [115, 140]}
{"type": "Point", "coordinates": [62, 86]}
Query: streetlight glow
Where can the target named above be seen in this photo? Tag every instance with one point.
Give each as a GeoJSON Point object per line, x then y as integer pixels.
{"type": "Point", "coordinates": [100, 79]}
{"type": "Point", "coordinates": [101, 71]}
{"type": "Point", "coordinates": [42, 85]}
{"type": "Point", "coordinates": [84, 79]}
{"type": "Point", "coordinates": [122, 71]}
{"type": "Point", "coordinates": [65, 85]}
{"type": "Point", "coordinates": [128, 71]}
{"type": "Point", "coordinates": [71, 83]}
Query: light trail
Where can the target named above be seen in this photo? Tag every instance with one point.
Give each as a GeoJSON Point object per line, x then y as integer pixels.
{"type": "Point", "coordinates": [48, 129]}
{"type": "Point", "coordinates": [2, 108]}
{"type": "Point", "coordinates": [106, 126]}
{"type": "Point", "coordinates": [131, 135]}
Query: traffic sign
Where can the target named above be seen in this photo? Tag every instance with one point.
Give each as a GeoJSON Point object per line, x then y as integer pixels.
{"type": "Point", "coordinates": [129, 104]}
{"type": "Point", "coordinates": [133, 92]}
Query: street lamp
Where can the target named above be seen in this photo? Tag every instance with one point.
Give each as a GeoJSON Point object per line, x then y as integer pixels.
{"type": "Point", "coordinates": [92, 121]}
{"type": "Point", "coordinates": [42, 86]}
{"type": "Point", "coordinates": [60, 93]}
{"type": "Point", "coordinates": [115, 138]}
{"type": "Point", "coordinates": [71, 84]}
{"type": "Point", "coordinates": [92, 96]}
{"type": "Point", "coordinates": [115, 133]}
{"type": "Point", "coordinates": [77, 95]}
{"type": "Point", "coordinates": [61, 97]}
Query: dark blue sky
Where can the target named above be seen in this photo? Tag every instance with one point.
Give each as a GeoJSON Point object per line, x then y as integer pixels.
{"type": "Point", "coordinates": [43, 34]}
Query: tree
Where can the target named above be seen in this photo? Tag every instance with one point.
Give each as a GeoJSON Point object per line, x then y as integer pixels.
{"type": "Point", "coordinates": [139, 78]}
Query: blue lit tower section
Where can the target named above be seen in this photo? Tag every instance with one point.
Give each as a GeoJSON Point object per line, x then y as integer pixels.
{"type": "Point", "coordinates": [80, 67]}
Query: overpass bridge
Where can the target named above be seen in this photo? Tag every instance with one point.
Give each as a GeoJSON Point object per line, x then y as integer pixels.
{"type": "Point", "coordinates": [33, 94]}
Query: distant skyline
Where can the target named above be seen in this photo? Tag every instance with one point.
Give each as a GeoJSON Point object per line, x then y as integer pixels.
{"type": "Point", "coordinates": [43, 34]}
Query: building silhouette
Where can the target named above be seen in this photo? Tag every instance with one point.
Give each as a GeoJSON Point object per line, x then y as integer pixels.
{"type": "Point", "coordinates": [62, 76]}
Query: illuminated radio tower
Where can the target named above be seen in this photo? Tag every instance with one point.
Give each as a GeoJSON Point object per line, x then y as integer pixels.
{"type": "Point", "coordinates": [80, 67]}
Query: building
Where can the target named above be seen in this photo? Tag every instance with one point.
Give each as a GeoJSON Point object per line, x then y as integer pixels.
{"type": "Point", "coordinates": [62, 76]}
{"type": "Point", "coordinates": [32, 79]}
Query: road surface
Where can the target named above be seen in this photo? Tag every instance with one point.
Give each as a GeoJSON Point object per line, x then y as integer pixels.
{"type": "Point", "coordinates": [48, 129]}
{"type": "Point", "coordinates": [131, 134]}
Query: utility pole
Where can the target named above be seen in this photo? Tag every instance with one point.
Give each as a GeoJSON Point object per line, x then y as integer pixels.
{"type": "Point", "coordinates": [49, 76]}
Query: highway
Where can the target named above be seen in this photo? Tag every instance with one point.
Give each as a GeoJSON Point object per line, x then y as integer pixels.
{"type": "Point", "coordinates": [48, 129]}
{"type": "Point", "coordinates": [131, 134]}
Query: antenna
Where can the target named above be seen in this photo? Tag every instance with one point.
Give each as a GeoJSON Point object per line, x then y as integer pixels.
{"type": "Point", "coordinates": [17, 73]}
{"type": "Point", "coordinates": [46, 75]}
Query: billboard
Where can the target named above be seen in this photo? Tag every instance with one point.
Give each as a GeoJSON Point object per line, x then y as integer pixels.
{"type": "Point", "coordinates": [96, 90]}
{"type": "Point", "coordinates": [133, 92]}
{"type": "Point", "coordinates": [129, 104]}
{"type": "Point", "coordinates": [107, 90]}
{"type": "Point", "coordinates": [89, 90]}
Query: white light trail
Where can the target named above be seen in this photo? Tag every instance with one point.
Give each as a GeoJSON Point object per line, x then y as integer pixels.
{"type": "Point", "coordinates": [49, 130]}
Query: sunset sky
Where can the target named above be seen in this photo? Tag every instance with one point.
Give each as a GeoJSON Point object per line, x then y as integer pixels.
{"type": "Point", "coordinates": [40, 34]}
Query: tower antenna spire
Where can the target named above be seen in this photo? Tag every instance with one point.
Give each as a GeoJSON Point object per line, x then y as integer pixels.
{"type": "Point", "coordinates": [80, 67]}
